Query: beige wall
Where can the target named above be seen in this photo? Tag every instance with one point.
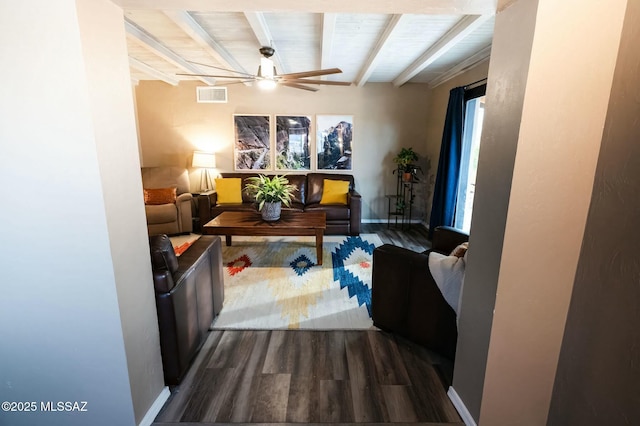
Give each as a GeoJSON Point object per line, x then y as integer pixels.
{"type": "Point", "coordinates": [599, 360]}
{"type": "Point", "coordinates": [508, 71]}
{"type": "Point", "coordinates": [532, 301]}
{"type": "Point", "coordinates": [386, 118]}
{"type": "Point", "coordinates": [543, 130]}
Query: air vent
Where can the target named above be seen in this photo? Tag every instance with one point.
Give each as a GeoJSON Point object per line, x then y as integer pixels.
{"type": "Point", "coordinates": [216, 95]}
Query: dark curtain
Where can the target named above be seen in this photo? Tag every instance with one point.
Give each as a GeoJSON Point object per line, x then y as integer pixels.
{"type": "Point", "coordinates": [446, 188]}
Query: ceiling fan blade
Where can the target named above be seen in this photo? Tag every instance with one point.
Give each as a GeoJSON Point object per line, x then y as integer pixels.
{"type": "Point", "coordinates": [298, 86]}
{"type": "Point", "coordinates": [313, 73]}
{"type": "Point", "coordinates": [235, 82]}
{"type": "Point", "coordinates": [221, 69]}
{"type": "Point", "coordinates": [305, 81]}
{"type": "Point", "coordinates": [217, 76]}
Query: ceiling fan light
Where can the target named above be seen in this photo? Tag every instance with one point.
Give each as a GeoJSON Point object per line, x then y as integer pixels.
{"type": "Point", "coordinates": [267, 83]}
{"type": "Point", "coordinates": [267, 70]}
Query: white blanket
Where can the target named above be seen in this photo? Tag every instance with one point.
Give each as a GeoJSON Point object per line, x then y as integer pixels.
{"type": "Point", "coordinates": [448, 273]}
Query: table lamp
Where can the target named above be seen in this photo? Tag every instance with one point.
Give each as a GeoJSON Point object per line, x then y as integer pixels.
{"type": "Point", "coordinates": [206, 161]}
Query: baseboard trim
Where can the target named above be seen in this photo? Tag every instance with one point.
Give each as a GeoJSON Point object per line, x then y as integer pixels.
{"type": "Point", "coordinates": [155, 408]}
{"type": "Point", "coordinates": [373, 221]}
{"type": "Point", "coordinates": [460, 407]}
{"type": "Point", "coordinates": [392, 221]}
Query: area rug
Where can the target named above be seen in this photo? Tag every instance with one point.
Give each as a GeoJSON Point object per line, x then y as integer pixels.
{"type": "Point", "coordinates": [274, 283]}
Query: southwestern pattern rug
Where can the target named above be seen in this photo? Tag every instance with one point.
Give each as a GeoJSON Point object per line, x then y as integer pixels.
{"type": "Point", "coordinates": [274, 283]}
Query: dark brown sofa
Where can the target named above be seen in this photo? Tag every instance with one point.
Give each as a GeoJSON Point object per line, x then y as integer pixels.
{"type": "Point", "coordinates": [189, 294]}
{"type": "Point", "coordinates": [341, 219]}
{"type": "Point", "coordinates": [405, 298]}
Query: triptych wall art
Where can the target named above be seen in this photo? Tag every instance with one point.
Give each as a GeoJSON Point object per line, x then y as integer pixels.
{"type": "Point", "coordinates": [286, 142]}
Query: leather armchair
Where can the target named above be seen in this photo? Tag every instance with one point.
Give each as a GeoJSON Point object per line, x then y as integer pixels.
{"type": "Point", "coordinates": [189, 294]}
{"type": "Point", "coordinates": [174, 218]}
{"type": "Point", "coordinates": [341, 219]}
{"type": "Point", "coordinates": [405, 298]}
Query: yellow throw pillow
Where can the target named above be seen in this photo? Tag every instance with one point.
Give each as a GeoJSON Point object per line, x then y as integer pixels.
{"type": "Point", "coordinates": [229, 190]}
{"type": "Point", "coordinates": [334, 191]}
{"type": "Point", "coordinates": [157, 196]}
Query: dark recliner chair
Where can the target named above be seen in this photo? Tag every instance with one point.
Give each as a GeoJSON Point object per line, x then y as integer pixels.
{"type": "Point", "coordinates": [405, 298]}
{"type": "Point", "coordinates": [189, 294]}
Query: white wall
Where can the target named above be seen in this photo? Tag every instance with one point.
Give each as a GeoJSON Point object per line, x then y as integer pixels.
{"type": "Point", "coordinates": [111, 97]}
{"type": "Point", "coordinates": [62, 253]}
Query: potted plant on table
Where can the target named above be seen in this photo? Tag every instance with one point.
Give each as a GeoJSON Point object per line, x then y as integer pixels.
{"type": "Point", "coordinates": [270, 193]}
{"type": "Point", "coordinates": [405, 161]}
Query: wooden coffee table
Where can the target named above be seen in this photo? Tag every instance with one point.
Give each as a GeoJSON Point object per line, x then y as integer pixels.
{"type": "Point", "coordinates": [251, 224]}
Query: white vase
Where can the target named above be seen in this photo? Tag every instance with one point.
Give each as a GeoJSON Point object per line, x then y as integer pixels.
{"type": "Point", "coordinates": [271, 211]}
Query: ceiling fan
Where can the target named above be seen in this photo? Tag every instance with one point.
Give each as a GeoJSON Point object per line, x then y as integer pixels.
{"type": "Point", "coordinates": [267, 78]}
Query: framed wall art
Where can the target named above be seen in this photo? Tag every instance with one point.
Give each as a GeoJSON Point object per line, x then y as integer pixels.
{"type": "Point", "coordinates": [334, 142]}
{"type": "Point", "coordinates": [293, 148]}
{"type": "Point", "coordinates": [252, 147]}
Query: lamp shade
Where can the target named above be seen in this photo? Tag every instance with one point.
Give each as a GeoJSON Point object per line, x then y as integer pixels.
{"type": "Point", "coordinates": [203, 160]}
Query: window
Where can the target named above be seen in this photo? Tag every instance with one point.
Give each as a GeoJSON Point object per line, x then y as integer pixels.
{"type": "Point", "coordinates": [474, 116]}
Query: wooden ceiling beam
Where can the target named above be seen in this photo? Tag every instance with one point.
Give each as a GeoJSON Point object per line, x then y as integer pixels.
{"type": "Point", "coordinates": [146, 40]}
{"type": "Point", "coordinates": [375, 56]}
{"type": "Point", "coordinates": [471, 61]}
{"type": "Point", "coordinates": [463, 28]}
{"type": "Point", "coordinates": [328, 34]}
{"type": "Point", "coordinates": [152, 72]}
{"type": "Point", "coordinates": [261, 30]}
{"type": "Point", "coordinates": [190, 26]}
{"type": "Point", "coordinates": [434, 7]}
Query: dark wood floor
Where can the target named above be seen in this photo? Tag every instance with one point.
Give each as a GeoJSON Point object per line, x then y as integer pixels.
{"type": "Point", "coordinates": [292, 376]}
{"type": "Point", "coordinates": [414, 237]}
{"type": "Point", "coordinates": [309, 377]}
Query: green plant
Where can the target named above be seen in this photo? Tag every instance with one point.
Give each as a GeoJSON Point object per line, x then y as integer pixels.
{"type": "Point", "coordinates": [270, 190]}
{"type": "Point", "coordinates": [405, 159]}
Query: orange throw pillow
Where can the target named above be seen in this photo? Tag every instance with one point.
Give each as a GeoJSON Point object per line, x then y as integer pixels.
{"type": "Point", "coordinates": [158, 196]}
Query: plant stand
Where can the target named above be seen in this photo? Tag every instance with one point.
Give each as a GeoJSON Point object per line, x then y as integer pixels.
{"type": "Point", "coordinates": [400, 204]}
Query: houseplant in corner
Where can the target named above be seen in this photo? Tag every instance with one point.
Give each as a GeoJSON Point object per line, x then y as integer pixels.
{"type": "Point", "coordinates": [405, 161]}
{"type": "Point", "coordinates": [270, 193]}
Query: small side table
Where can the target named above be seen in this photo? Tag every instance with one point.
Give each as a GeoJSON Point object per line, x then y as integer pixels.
{"type": "Point", "coordinates": [195, 210]}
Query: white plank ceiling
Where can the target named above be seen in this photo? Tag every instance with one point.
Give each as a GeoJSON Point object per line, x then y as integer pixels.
{"type": "Point", "coordinates": [409, 41]}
